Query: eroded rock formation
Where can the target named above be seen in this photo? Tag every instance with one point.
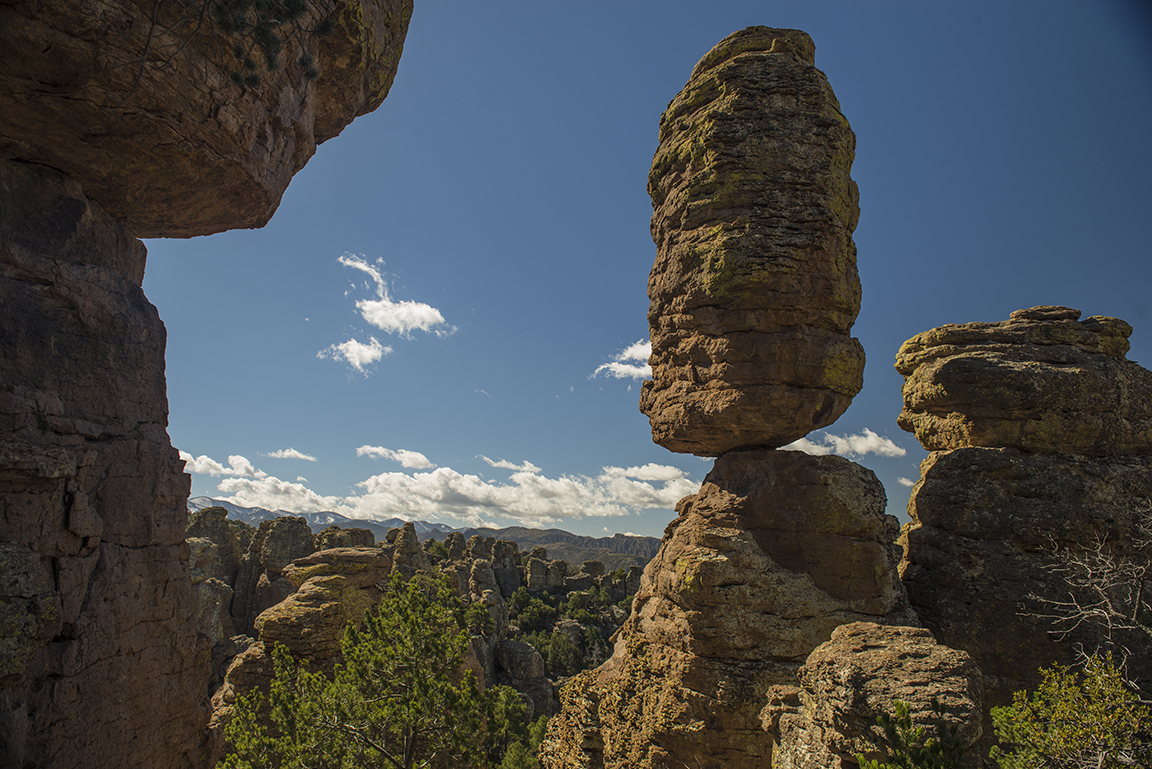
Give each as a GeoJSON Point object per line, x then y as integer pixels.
{"type": "Point", "coordinates": [846, 683]}
{"type": "Point", "coordinates": [92, 494]}
{"type": "Point", "coordinates": [776, 550]}
{"type": "Point", "coordinates": [754, 290]}
{"type": "Point", "coordinates": [1043, 459]}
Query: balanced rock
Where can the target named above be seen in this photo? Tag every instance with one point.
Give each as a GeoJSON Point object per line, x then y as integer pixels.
{"type": "Point", "coordinates": [990, 554]}
{"type": "Point", "coordinates": [776, 550]}
{"type": "Point", "coordinates": [754, 290]}
{"type": "Point", "coordinates": [1041, 381]}
{"type": "Point", "coordinates": [141, 109]}
{"type": "Point", "coordinates": [855, 677]}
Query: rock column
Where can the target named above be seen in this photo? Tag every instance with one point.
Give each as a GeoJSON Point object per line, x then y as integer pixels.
{"type": "Point", "coordinates": [753, 295]}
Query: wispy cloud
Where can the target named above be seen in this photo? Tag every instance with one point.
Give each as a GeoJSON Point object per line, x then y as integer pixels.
{"type": "Point", "coordinates": [204, 465]}
{"type": "Point", "coordinates": [396, 317]}
{"type": "Point", "coordinates": [504, 464]}
{"type": "Point", "coordinates": [406, 458]}
{"type": "Point", "coordinates": [629, 363]}
{"type": "Point", "coordinates": [526, 497]}
{"type": "Point", "coordinates": [861, 444]}
{"type": "Point", "coordinates": [906, 482]}
{"type": "Point", "coordinates": [358, 355]}
{"type": "Point", "coordinates": [290, 453]}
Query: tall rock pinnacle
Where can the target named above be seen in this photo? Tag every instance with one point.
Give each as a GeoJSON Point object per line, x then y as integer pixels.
{"type": "Point", "coordinates": [754, 290]}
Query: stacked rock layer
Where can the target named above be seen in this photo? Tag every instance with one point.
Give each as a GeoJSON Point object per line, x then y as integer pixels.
{"type": "Point", "coordinates": [106, 136]}
{"type": "Point", "coordinates": [1039, 432]}
{"type": "Point", "coordinates": [754, 290]}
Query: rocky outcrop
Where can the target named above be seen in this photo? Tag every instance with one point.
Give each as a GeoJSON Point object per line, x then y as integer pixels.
{"type": "Point", "coordinates": [989, 526]}
{"type": "Point", "coordinates": [91, 494]}
{"type": "Point", "coordinates": [146, 118]}
{"type": "Point", "coordinates": [754, 290]}
{"type": "Point", "coordinates": [1040, 431]}
{"type": "Point", "coordinates": [776, 550]}
{"type": "Point", "coordinates": [95, 151]}
{"type": "Point", "coordinates": [1042, 381]}
{"type": "Point", "coordinates": [334, 537]}
{"type": "Point", "coordinates": [261, 583]}
{"type": "Point", "coordinates": [407, 553]}
{"type": "Point", "coordinates": [522, 668]}
{"type": "Point", "coordinates": [846, 683]}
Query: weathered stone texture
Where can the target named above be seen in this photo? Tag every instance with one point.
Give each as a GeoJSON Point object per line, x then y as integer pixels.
{"type": "Point", "coordinates": [776, 550]}
{"type": "Point", "coordinates": [184, 151]}
{"type": "Point", "coordinates": [91, 493]}
{"type": "Point", "coordinates": [754, 290]}
{"type": "Point", "coordinates": [1041, 381]}
{"type": "Point", "coordinates": [847, 682]}
{"type": "Point", "coordinates": [987, 524]}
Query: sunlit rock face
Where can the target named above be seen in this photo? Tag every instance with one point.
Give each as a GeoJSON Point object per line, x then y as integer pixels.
{"type": "Point", "coordinates": [754, 290]}
{"type": "Point", "coordinates": [1041, 381]}
{"type": "Point", "coordinates": [103, 666]}
{"type": "Point", "coordinates": [776, 550]}
{"type": "Point", "coordinates": [171, 146]}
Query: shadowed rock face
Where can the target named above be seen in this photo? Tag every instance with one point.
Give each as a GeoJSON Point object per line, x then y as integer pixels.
{"type": "Point", "coordinates": [184, 151]}
{"type": "Point", "coordinates": [104, 668]}
{"type": "Point", "coordinates": [1041, 381]}
{"type": "Point", "coordinates": [776, 550]}
{"type": "Point", "coordinates": [754, 289]}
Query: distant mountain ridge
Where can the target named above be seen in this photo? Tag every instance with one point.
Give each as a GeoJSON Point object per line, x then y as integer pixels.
{"type": "Point", "coordinates": [617, 551]}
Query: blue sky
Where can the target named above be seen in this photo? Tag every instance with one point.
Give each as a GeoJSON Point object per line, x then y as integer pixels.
{"type": "Point", "coordinates": [427, 327]}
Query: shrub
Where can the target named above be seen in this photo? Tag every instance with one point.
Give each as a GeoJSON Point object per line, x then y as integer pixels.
{"type": "Point", "coordinates": [908, 748]}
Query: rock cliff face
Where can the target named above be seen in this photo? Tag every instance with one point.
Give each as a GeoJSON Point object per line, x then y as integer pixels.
{"type": "Point", "coordinates": [1043, 459]}
{"type": "Point", "coordinates": [754, 289]}
{"type": "Point", "coordinates": [96, 597]}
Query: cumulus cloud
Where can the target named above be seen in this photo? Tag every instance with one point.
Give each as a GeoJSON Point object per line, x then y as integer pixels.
{"type": "Point", "coordinates": [503, 464]}
{"type": "Point", "coordinates": [864, 442]}
{"type": "Point", "coordinates": [204, 465]}
{"type": "Point", "coordinates": [411, 459]}
{"type": "Point", "coordinates": [384, 312]}
{"type": "Point", "coordinates": [527, 497]}
{"type": "Point", "coordinates": [906, 482]}
{"type": "Point", "coordinates": [629, 363]}
{"type": "Point", "coordinates": [290, 453]}
{"type": "Point", "coordinates": [356, 354]}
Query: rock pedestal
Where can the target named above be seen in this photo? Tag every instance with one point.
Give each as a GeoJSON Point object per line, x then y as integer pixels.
{"type": "Point", "coordinates": [754, 290]}
{"type": "Point", "coordinates": [776, 551]}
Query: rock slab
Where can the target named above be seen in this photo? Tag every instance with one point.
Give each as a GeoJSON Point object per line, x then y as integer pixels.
{"type": "Point", "coordinates": [754, 289]}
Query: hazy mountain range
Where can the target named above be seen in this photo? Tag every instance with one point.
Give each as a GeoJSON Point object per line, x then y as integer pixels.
{"type": "Point", "coordinates": [617, 551]}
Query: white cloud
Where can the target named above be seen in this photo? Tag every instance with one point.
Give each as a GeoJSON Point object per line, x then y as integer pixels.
{"type": "Point", "coordinates": [865, 442]}
{"type": "Point", "coordinates": [290, 453]}
{"type": "Point", "coordinates": [395, 317]}
{"type": "Point", "coordinates": [356, 354]}
{"type": "Point", "coordinates": [629, 363]}
{"type": "Point", "coordinates": [204, 465]}
{"type": "Point", "coordinates": [502, 464]}
{"type": "Point", "coordinates": [410, 459]}
{"type": "Point", "coordinates": [301, 479]}
{"type": "Point", "coordinates": [527, 497]}
{"type": "Point", "coordinates": [906, 482]}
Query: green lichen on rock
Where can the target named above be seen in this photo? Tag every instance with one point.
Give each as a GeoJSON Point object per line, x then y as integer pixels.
{"type": "Point", "coordinates": [29, 609]}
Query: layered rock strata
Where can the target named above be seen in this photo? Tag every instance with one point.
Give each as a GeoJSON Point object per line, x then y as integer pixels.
{"type": "Point", "coordinates": [754, 290]}
{"type": "Point", "coordinates": [855, 677]}
{"type": "Point", "coordinates": [105, 137]}
{"type": "Point", "coordinates": [776, 550]}
{"type": "Point", "coordinates": [1040, 470]}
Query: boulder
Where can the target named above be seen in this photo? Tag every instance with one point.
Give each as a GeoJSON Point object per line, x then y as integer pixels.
{"type": "Point", "coordinates": [856, 676]}
{"type": "Point", "coordinates": [141, 110]}
{"type": "Point", "coordinates": [985, 558]}
{"type": "Point", "coordinates": [408, 555]}
{"type": "Point", "coordinates": [776, 550]}
{"type": "Point", "coordinates": [334, 536]}
{"type": "Point", "coordinates": [754, 289]}
{"type": "Point", "coordinates": [1041, 381]}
